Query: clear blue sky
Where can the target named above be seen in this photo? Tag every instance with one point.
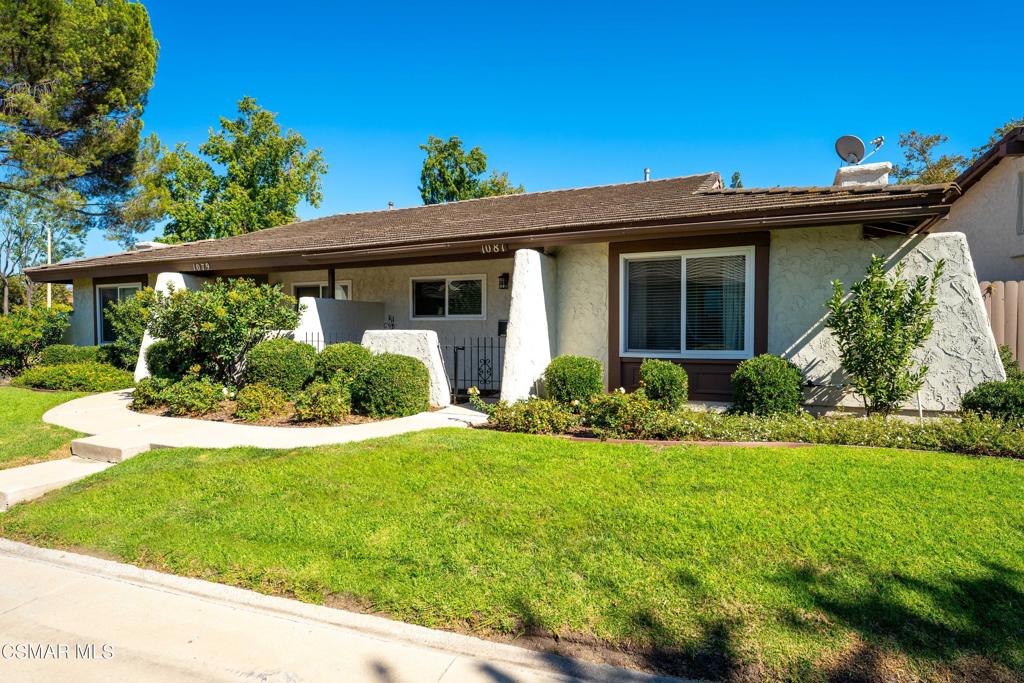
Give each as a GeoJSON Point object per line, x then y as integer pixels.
{"type": "Point", "coordinates": [567, 94]}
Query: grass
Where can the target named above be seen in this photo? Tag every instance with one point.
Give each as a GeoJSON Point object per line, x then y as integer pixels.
{"type": "Point", "coordinates": [819, 563]}
{"type": "Point", "coordinates": [24, 437]}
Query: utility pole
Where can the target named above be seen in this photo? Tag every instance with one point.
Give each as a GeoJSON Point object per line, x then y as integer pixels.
{"type": "Point", "coordinates": [49, 260]}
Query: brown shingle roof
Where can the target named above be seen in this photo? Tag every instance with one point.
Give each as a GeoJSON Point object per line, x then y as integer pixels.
{"type": "Point", "coordinates": [683, 199]}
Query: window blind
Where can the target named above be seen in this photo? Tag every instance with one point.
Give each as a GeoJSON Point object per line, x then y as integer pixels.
{"type": "Point", "coordinates": [654, 310]}
{"type": "Point", "coordinates": [716, 303]}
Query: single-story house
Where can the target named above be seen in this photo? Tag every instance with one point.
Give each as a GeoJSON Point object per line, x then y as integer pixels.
{"type": "Point", "coordinates": [682, 269]}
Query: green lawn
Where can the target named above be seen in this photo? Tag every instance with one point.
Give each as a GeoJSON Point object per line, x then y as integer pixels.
{"type": "Point", "coordinates": [824, 563]}
{"type": "Point", "coordinates": [24, 437]}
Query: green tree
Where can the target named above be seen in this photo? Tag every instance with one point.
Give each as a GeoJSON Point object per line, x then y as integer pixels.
{"type": "Point", "coordinates": [923, 163]}
{"type": "Point", "coordinates": [451, 174]}
{"type": "Point", "coordinates": [998, 135]}
{"type": "Point", "coordinates": [878, 328]}
{"type": "Point", "coordinates": [253, 177]}
{"type": "Point", "coordinates": [736, 182]}
{"type": "Point", "coordinates": [74, 76]}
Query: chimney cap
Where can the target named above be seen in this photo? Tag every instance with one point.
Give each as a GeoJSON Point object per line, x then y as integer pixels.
{"type": "Point", "coordinates": [863, 174]}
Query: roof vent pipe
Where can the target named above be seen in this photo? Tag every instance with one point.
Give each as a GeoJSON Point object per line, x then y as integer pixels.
{"type": "Point", "coordinates": [391, 205]}
{"type": "Point", "coordinates": [647, 174]}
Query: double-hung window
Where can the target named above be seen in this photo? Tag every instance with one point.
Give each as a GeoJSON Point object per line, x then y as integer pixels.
{"type": "Point", "coordinates": [688, 304]}
{"type": "Point", "coordinates": [105, 296]}
{"type": "Point", "coordinates": [459, 297]}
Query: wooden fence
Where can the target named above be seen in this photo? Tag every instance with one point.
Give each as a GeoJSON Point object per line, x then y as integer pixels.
{"type": "Point", "coordinates": [1004, 303]}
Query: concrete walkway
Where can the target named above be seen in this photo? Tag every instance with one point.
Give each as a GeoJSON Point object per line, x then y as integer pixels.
{"type": "Point", "coordinates": [116, 622]}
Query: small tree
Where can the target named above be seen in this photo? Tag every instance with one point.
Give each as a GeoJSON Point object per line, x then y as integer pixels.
{"type": "Point", "coordinates": [878, 328]}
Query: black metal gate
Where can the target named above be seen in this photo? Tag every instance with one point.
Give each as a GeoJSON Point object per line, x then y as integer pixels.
{"type": "Point", "coordinates": [474, 362]}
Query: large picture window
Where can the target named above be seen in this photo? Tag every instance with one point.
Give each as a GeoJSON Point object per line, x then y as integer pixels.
{"type": "Point", "coordinates": [105, 296]}
{"type": "Point", "coordinates": [688, 304]}
{"type": "Point", "coordinates": [456, 297]}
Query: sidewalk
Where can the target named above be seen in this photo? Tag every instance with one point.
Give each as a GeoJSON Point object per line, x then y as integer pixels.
{"type": "Point", "coordinates": [153, 627]}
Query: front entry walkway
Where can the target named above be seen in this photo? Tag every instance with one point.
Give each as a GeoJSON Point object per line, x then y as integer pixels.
{"type": "Point", "coordinates": [105, 621]}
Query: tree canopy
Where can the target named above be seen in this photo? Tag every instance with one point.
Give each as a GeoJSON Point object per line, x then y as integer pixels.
{"type": "Point", "coordinates": [451, 174]}
{"type": "Point", "coordinates": [924, 164]}
{"type": "Point", "coordinates": [74, 77]}
{"type": "Point", "coordinates": [253, 176]}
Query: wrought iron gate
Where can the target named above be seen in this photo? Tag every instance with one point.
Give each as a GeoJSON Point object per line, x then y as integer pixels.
{"type": "Point", "coordinates": [474, 362]}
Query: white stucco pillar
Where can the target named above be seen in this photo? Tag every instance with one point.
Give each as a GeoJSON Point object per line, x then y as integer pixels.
{"type": "Point", "coordinates": [164, 282]}
{"type": "Point", "coordinates": [532, 324]}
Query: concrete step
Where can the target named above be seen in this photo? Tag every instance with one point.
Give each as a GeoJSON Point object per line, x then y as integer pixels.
{"type": "Point", "coordinates": [19, 484]}
{"type": "Point", "coordinates": [112, 447]}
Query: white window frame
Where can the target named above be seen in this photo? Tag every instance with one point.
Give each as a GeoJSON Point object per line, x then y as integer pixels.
{"type": "Point", "coordinates": [447, 279]}
{"type": "Point", "coordinates": [136, 286]}
{"type": "Point", "coordinates": [683, 254]}
{"type": "Point", "coordinates": [323, 285]}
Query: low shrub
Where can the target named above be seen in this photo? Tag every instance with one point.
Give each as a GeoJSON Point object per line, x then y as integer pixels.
{"type": "Point", "coordinates": [392, 386]}
{"type": "Point", "coordinates": [149, 393]}
{"type": "Point", "coordinates": [256, 402]}
{"type": "Point", "coordinates": [192, 396]}
{"type": "Point", "coordinates": [1004, 400]}
{"type": "Point", "coordinates": [282, 363]}
{"type": "Point", "coordinates": [163, 361]}
{"type": "Point", "coordinates": [766, 385]}
{"type": "Point", "coordinates": [347, 357]}
{"type": "Point", "coordinates": [533, 416]}
{"type": "Point", "coordinates": [91, 377]}
{"type": "Point", "coordinates": [573, 380]}
{"type": "Point", "coordinates": [324, 402]}
{"type": "Point", "coordinates": [618, 413]}
{"type": "Point", "coordinates": [62, 354]}
{"type": "Point", "coordinates": [1010, 364]}
{"type": "Point", "coordinates": [665, 383]}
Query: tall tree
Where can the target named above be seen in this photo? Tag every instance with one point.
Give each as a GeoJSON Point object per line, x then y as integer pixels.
{"type": "Point", "coordinates": [253, 177]}
{"type": "Point", "coordinates": [998, 135]}
{"type": "Point", "coordinates": [923, 163]}
{"type": "Point", "coordinates": [736, 183]}
{"type": "Point", "coordinates": [451, 174]}
{"type": "Point", "coordinates": [74, 76]}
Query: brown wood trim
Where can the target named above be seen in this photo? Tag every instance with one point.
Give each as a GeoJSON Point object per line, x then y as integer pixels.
{"type": "Point", "coordinates": [761, 241]}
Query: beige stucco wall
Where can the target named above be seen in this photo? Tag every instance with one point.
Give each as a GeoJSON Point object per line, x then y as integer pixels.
{"type": "Point", "coordinates": [582, 301]}
{"type": "Point", "coordinates": [988, 215]}
{"type": "Point", "coordinates": [961, 351]}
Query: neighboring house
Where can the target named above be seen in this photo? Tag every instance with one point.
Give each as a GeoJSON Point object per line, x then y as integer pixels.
{"type": "Point", "coordinates": [679, 269]}
{"type": "Point", "coordinates": [991, 210]}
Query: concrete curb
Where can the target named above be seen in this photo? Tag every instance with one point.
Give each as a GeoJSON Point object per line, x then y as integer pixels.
{"type": "Point", "coordinates": [367, 625]}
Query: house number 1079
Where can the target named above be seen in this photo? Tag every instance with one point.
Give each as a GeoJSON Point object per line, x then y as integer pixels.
{"type": "Point", "coordinates": [493, 248]}
{"type": "Point", "coordinates": [200, 266]}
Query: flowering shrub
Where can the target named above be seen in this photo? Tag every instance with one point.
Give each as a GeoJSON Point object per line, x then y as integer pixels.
{"type": "Point", "coordinates": [256, 402]}
{"type": "Point", "coordinates": [618, 413]}
{"type": "Point", "coordinates": [533, 416]}
{"type": "Point", "coordinates": [324, 402]}
{"type": "Point", "coordinates": [25, 332]}
{"type": "Point", "coordinates": [192, 396]}
{"type": "Point", "coordinates": [149, 393]}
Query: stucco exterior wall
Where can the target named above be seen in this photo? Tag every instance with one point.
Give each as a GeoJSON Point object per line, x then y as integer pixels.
{"type": "Point", "coordinates": [82, 331]}
{"type": "Point", "coordinates": [961, 351]}
{"type": "Point", "coordinates": [329, 321]}
{"type": "Point", "coordinates": [533, 324]}
{"type": "Point", "coordinates": [582, 301]}
{"type": "Point", "coordinates": [989, 214]}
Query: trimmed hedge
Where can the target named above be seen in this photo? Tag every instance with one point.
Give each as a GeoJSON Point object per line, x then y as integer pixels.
{"type": "Point", "coordinates": [766, 385]}
{"type": "Point", "coordinates": [665, 383]}
{"type": "Point", "coordinates": [392, 386]}
{"type": "Point", "coordinates": [346, 357]}
{"type": "Point", "coordinates": [1004, 400]}
{"type": "Point", "coordinates": [257, 402]}
{"type": "Point", "coordinates": [324, 402]}
{"type": "Point", "coordinates": [91, 377]}
{"type": "Point", "coordinates": [532, 416]}
{"type": "Point", "coordinates": [282, 363]}
{"type": "Point", "coordinates": [62, 354]}
{"type": "Point", "coordinates": [573, 380]}
{"type": "Point", "coordinates": [194, 396]}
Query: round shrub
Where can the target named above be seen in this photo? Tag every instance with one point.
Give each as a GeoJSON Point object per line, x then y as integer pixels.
{"type": "Point", "coordinates": [192, 396]}
{"type": "Point", "coordinates": [91, 377]}
{"type": "Point", "coordinates": [766, 385]}
{"type": "Point", "coordinates": [256, 402]}
{"type": "Point", "coordinates": [163, 361]}
{"type": "Point", "coordinates": [323, 402]}
{"type": "Point", "coordinates": [282, 363]}
{"type": "Point", "coordinates": [392, 386]}
{"type": "Point", "coordinates": [573, 378]}
{"type": "Point", "coordinates": [347, 357]}
{"type": "Point", "coordinates": [1004, 400]}
{"type": "Point", "coordinates": [62, 354]}
{"type": "Point", "coordinates": [149, 393]}
{"type": "Point", "coordinates": [665, 383]}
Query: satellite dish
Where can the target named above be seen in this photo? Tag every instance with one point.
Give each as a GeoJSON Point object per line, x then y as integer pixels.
{"type": "Point", "coordinates": [850, 149]}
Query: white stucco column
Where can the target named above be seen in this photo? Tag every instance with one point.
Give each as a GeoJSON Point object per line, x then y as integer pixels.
{"type": "Point", "coordinates": [532, 324]}
{"type": "Point", "coordinates": [164, 283]}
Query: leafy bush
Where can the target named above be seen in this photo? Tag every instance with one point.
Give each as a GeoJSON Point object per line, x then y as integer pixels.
{"type": "Point", "coordinates": [62, 354]}
{"type": "Point", "coordinates": [766, 385]}
{"type": "Point", "coordinates": [324, 402]}
{"type": "Point", "coordinates": [162, 361]}
{"type": "Point", "coordinates": [347, 357]}
{"type": "Point", "coordinates": [25, 332]}
{"type": "Point", "coordinates": [664, 382]}
{"type": "Point", "coordinates": [572, 380]}
{"type": "Point", "coordinates": [1004, 400]}
{"type": "Point", "coordinates": [879, 328]}
{"type": "Point", "coordinates": [259, 401]}
{"type": "Point", "coordinates": [282, 363]}
{"type": "Point", "coordinates": [392, 386]}
{"type": "Point", "coordinates": [617, 413]}
{"type": "Point", "coordinates": [149, 393]}
{"type": "Point", "coordinates": [89, 376]}
{"type": "Point", "coordinates": [216, 326]}
{"type": "Point", "coordinates": [129, 319]}
{"type": "Point", "coordinates": [532, 416]}
{"type": "Point", "coordinates": [193, 396]}
{"type": "Point", "coordinates": [1010, 364]}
